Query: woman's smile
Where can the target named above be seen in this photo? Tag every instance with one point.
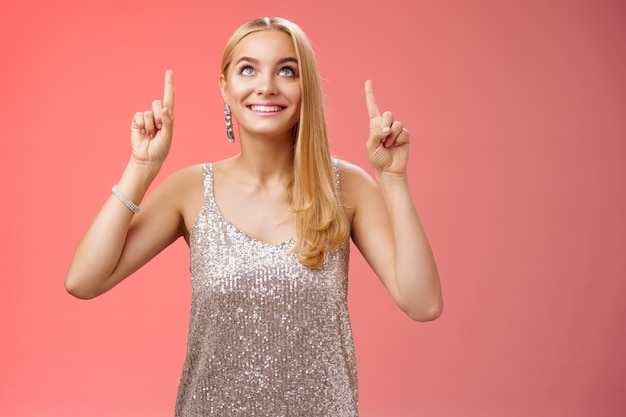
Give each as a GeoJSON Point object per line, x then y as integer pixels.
{"type": "Point", "coordinates": [266, 108]}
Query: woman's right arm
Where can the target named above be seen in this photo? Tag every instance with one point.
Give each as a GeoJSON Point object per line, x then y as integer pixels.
{"type": "Point", "coordinates": [118, 242]}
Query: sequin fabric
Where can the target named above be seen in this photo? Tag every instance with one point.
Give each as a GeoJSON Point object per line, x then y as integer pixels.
{"type": "Point", "coordinates": [267, 336]}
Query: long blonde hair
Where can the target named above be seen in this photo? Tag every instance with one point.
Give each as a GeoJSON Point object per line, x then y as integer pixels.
{"type": "Point", "coordinates": [321, 220]}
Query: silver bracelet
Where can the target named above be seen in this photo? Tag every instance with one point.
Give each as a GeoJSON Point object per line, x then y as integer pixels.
{"type": "Point", "coordinates": [122, 197]}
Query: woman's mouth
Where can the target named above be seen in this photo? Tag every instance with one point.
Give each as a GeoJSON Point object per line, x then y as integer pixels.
{"type": "Point", "coordinates": [259, 108]}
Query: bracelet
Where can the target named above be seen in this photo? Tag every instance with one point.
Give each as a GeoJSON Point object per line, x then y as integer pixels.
{"type": "Point", "coordinates": [122, 197]}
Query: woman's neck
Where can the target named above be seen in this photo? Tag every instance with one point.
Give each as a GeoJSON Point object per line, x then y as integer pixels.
{"type": "Point", "coordinates": [266, 159]}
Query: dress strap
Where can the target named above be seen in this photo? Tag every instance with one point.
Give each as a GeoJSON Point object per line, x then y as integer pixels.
{"type": "Point", "coordinates": [207, 170]}
{"type": "Point", "coordinates": [337, 166]}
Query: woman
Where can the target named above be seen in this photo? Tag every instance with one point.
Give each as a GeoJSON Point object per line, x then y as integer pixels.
{"type": "Point", "coordinates": [268, 231]}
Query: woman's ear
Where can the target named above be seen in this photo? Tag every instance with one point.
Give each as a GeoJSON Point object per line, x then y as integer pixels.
{"type": "Point", "coordinates": [222, 84]}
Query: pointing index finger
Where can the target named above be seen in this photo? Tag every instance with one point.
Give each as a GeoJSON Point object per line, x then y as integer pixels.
{"type": "Point", "coordinates": [370, 100]}
{"type": "Point", "coordinates": [168, 92]}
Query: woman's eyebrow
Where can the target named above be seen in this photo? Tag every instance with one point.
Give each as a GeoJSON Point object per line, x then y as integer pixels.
{"type": "Point", "coordinates": [288, 59]}
{"type": "Point", "coordinates": [256, 61]}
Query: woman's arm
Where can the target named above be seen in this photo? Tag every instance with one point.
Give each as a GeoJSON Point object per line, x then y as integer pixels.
{"type": "Point", "coordinates": [118, 241]}
{"type": "Point", "coordinates": [386, 226]}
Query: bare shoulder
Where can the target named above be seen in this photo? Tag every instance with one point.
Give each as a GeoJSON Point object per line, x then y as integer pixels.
{"type": "Point", "coordinates": [178, 184]}
{"type": "Point", "coordinates": [352, 172]}
{"type": "Point", "coordinates": [353, 177]}
{"type": "Point", "coordinates": [181, 192]}
{"type": "Point", "coordinates": [356, 183]}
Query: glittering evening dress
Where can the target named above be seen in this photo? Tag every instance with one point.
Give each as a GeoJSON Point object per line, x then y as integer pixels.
{"type": "Point", "coordinates": [267, 335]}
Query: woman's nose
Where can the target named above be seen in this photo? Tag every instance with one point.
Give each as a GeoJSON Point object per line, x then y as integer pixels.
{"type": "Point", "coordinates": [267, 85]}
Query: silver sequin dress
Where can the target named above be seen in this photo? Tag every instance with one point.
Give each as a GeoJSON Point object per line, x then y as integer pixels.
{"type": "Point", "coordinates": [267, 336]}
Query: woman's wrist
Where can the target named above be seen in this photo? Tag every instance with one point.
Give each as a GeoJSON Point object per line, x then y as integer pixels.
{"type": "Point", "coordinates": [136, 179]}
{"type": "Point", "coordinates": [144, 171]}
{"type": "Point", "coordinates": [391, 179]}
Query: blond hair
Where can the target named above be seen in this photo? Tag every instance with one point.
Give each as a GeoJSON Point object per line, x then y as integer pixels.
{"type": "Point", "coordinates": [321, 220]}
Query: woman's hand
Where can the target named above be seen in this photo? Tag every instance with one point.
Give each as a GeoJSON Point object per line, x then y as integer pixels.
{"type": "Point", "coordinates": [151, 131]}
{"type": "Point", "coordinates": [388, 144]}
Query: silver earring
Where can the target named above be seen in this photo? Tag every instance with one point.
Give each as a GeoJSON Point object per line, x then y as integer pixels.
{"type": "Point", "coordinates": [228, 118]}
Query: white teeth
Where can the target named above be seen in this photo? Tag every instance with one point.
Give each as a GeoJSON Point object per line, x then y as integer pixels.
{"type": "Point", "coordinates": [265, 109]}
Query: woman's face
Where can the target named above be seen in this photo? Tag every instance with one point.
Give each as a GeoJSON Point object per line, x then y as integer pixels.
{"type": "Point", "coordinates": [262, 86]}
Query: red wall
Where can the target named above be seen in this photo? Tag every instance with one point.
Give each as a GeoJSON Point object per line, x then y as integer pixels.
{"type": "Point", "coordinates": [517, 111]}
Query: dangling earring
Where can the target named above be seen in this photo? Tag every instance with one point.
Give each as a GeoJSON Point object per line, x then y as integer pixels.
{"type": "Point", "coordinates": [228, 118]}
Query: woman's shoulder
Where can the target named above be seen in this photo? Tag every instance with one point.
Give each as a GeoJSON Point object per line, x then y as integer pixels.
{"type": "Point", "coordinates": [190, 177]}
{"type": "Point", "coordinates": [179, 186]}
{"type": "Point", "coordinates": [185, 175]}
{"type": "Point", "coordinates": [352, 174]}
{"type": "Point", "coordinates": [183, 191]}
{"type": "Point", "coordinates": [355, 183]}
{"type": "Point", "coordinates": [192, 172]}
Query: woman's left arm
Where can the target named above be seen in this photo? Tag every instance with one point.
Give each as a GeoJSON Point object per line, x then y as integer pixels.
{"type": "Point", "coordinates": [385, 226]}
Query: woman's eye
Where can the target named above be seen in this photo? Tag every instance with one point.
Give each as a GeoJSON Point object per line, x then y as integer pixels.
{"type": "Point", "coordinates": [247, 71]}
{"type": "Point", "coordinates": [287, 72]}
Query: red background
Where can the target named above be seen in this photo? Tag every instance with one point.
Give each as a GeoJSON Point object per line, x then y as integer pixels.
{"type": "Point", "coordinates": [517, 112]}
